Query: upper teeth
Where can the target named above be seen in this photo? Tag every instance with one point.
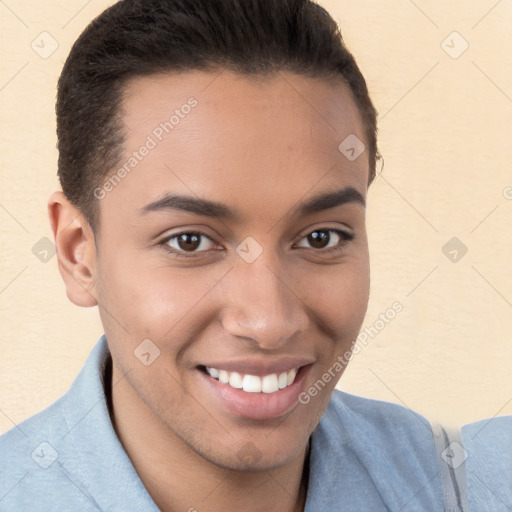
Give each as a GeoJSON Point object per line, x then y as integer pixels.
{"type": "Point", "coordinates": [252, 383]}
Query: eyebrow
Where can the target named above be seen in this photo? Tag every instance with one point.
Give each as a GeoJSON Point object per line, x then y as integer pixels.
{"type": "Point", "coordinates": [213, 209]}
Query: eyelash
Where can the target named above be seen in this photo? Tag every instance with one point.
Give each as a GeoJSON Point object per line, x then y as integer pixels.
{"type": "Point", "coordinates": [344, 236]}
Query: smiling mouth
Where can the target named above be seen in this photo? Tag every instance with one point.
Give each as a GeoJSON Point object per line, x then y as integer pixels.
{"type": "Point", "coordinates": [270, 383]}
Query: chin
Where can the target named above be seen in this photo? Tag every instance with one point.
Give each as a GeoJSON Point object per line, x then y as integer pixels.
{"type": "Point", "coordinates": [257, 455]}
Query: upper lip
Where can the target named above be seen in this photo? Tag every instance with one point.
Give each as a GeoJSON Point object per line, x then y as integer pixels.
{"type": "Point", "coordinates": [259, 367]}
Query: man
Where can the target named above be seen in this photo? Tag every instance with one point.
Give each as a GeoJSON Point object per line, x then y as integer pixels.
{"type": "Point", "coordinates": [214, 158]}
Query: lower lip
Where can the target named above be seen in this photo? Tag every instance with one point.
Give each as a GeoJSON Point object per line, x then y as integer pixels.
{"type": "Point", "coordinates": [257, 406]}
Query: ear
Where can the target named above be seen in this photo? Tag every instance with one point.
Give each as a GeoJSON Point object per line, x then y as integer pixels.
{"type": "Point", "coordinates": [76, 251]}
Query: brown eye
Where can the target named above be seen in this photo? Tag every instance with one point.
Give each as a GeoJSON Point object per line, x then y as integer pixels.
{"type": "Point", "coordinates": [319, 239]}
{"type": "Point", "coordinates": [325, 239]}
{"type": "Point", "coordinates": [189, 242]}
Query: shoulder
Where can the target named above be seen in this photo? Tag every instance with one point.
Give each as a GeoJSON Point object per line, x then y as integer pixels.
{"type": "Point", "coordinates": [383, 420]}
{"type": "Point", "coordinates": [41, 452]}
{"type": "Point", "coordinates": [382, 449]}
{"type": "Point", "coordinates": [18, 446]}
{"type": "Point", "coordinates": [31, 456]}
{"type": "Point", "coordinates": [495, 431]}
{"type": "Point", "coordinates": [488, 448]}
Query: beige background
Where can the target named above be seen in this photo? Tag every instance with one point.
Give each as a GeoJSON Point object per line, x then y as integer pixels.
{"type": "Point", "coordinates": [445, 134]}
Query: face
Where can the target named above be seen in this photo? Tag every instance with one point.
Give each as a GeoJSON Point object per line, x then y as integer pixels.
{"type": "Point", "coordinates": [232, 263]}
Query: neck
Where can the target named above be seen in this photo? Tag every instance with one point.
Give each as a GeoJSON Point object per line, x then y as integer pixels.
{"type": "Point", "coordinates": [178, 478]}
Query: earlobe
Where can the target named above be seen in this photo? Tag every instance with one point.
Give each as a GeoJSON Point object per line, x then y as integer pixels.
{"type": "Point", "coordinates": [76, 251]}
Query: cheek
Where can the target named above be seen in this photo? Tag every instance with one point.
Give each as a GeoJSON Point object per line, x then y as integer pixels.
{"type": "Point", "coordinates": [339, 295]}
{"type": "Point", "coordinates": [168, 304]}
{"type": "Point", "coordinates": [151, 299]}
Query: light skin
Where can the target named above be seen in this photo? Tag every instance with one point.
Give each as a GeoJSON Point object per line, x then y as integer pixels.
{"type": "Point", "coordinates": [261, 148]}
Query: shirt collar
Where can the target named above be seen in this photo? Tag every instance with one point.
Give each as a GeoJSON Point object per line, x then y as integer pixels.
{"type": "Point", "coordinates": [106, 473]}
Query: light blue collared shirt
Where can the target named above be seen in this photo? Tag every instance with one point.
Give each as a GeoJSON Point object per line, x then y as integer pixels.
{"type": "Point", "coordinates": [366, 455]}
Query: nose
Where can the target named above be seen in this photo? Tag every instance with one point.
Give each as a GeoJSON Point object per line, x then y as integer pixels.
{"type": "Point", "coordinates": [262, 305]}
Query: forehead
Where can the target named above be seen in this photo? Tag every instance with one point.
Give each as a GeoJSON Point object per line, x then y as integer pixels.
{"type": "Point", "coordinates": [237, 138]}
{"type": "Point", "coordinates": [225, 100]}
